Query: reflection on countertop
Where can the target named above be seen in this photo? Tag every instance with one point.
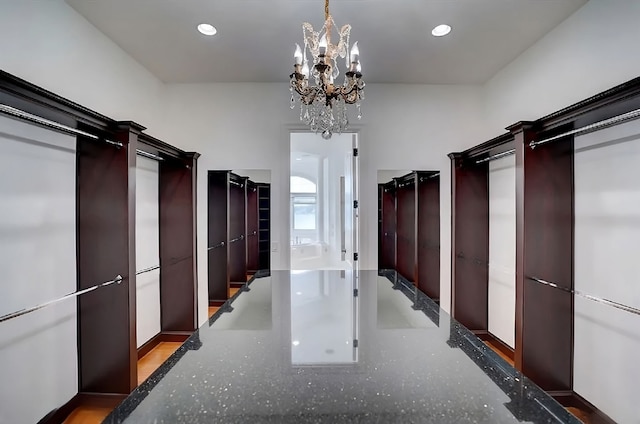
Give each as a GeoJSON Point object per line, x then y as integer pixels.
{"type": "Point", "coordinates": [336, 347]}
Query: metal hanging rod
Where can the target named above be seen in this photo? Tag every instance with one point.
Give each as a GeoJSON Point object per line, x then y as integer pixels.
{"type": "Point", "coordinates": [26, 116]}
{"type": "Point", "coordinates": [236, 183]}
{"type": "Point", "coordinates": [429, 177]}
{"type": "Point", "coordinates": [152, 268]}
{"type": "Point", "coordinates": [114, 143]}
{"type": "Point", "coordinates": [237, 239]}
{"type": "Point", "coordinates": [619, 119]}
{"type": "Point", "coordinates": [148, 155]}
{"type": "Point", "coordinates": [588, 296]}
{"type": "Point", "coordinates": [497, 156]}
{"type": "Point", "coordinates": [25, 311]}
{"type": "Point", "coordinates": [221, 244]}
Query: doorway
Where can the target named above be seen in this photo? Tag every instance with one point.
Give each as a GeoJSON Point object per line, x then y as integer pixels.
{"type": "Point", "coordinates": [323, 219]}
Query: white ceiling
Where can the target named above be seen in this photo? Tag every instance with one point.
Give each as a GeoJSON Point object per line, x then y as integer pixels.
{"type": "Point", "coordinates": [255, 40]}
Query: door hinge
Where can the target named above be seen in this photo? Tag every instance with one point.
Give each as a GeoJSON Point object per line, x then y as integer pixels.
{"type": "Point", "coordinates": [355, 152]}
{"type": "Point", "coordinates": [355, 292]}
{"type": "Point", "coordinates": [355, 343]}
{"type": "Point", "coordinates": [355, 256]}
{"type": "Point", "coordinates": [355, 204]}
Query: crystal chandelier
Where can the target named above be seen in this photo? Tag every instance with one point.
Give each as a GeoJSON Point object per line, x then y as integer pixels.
{"type": "Point", "coordinates": [323, 106]}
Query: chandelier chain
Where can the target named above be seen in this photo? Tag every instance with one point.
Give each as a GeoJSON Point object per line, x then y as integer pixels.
{"type": "Point", "coordinates": [326, 9]}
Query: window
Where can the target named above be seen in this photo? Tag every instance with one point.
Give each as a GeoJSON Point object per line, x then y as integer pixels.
{"type": "Point", "coordinates": [302, 185]}
{"type": "Point", "coordinates": [304, 211]}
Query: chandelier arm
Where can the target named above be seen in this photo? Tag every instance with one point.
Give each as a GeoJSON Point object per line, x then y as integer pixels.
{"type": "Point", "coordinates": [302, 91]}
{"type": "Point", "coordinates": [309, 97]}
{"type": "Point", "coordinates": [351, 90]}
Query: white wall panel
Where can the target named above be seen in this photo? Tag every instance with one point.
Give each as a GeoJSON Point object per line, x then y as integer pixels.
{"type": "Point", "coordinates": [607, 231]}
{"type": "Point", "coordinates": [502, 249]}
{"type": "Point", "coordinates": [576, 60]}
{"type": "Point", "coordinates": [147, 249]}
{"type": "Point", "coordinates": [38, 351]}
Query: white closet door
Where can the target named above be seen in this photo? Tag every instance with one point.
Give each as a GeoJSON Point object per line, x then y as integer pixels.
{"type": "Point", "coordinates": [607, 232]}
{"type": "Point", "coordinates": [502, 249]}
{"type": "Point", "coordinates": [38, 351]}
{"type": "Point", "coordinates": [147, 249]}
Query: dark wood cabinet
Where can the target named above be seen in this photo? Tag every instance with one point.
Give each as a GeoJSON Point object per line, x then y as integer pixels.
{"type": "Point", "coordinates": [409, 227]}
{"type": "Point", "coordinates": [238, 231]}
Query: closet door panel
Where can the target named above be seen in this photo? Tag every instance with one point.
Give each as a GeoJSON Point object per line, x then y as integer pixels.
{"type": "Point", "coordinates": [406, 229]}
{"type": "Point", "coordinates": [217, 253]}
{"type": "Point", "coordinates": [178, 285]}
{"type": "Point", "coordinates": [237, 234]}
{"type": "Point", "coordinates": [429, 237]}
{"type": "Point", "coordinates": [471, 244]}
{"type": "Point", "coordinates": [547, 326]}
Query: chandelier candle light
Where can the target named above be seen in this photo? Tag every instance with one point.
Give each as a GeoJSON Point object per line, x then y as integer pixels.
{"type": "Point", "coordinates": [323, 106]}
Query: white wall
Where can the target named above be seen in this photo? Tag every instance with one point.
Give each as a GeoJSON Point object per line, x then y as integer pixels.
{"type": "Point", "coordinates": [49, 44]}
{"type": "Point", "coordinates": [416, 126]}
{"type": "Point", "coordinates": [607, 230]}
{"type": "Point", "coordinates": [147, 249]}
{"type": "Point", "coordinates": [386, 175]}
{"type": "Point", "coordinates": [255, 175]}
{"type": "Point", "coordinates": [502, 249]}
{"type": "Point", "coordinates": [38, 351]}
{"type": "Point", "coordinates": [591, 51]}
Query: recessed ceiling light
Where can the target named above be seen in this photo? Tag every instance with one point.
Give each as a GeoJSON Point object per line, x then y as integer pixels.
{"type": "Point", "coordinates": [207, 29]}
{"type": "Point", "coordinates": [295, 342]}
{"type": "Point", "coordinates": [441, 30]}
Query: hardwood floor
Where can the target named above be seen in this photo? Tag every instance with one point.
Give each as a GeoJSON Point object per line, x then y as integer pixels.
{"type": "Point", "coordinates": [90, 414]}
{"type": "Point", "coordinates": [233, 290]}
{"type": "Point", "coordinates": [499, 352]}
{"type": "Point", "coordinates": [580, 414]}
{"type": "Point", "coordinates": [213, 310]}
{"type": "Point", "coordinates": [156, 357]}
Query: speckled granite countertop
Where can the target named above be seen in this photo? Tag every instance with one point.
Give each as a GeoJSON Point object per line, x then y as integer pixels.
{"type": "Point", "coordinates": [304, 347]}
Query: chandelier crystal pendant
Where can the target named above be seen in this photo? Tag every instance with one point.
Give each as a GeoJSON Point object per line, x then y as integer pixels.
{"type": "Point", "coordinates": [323, 105]}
